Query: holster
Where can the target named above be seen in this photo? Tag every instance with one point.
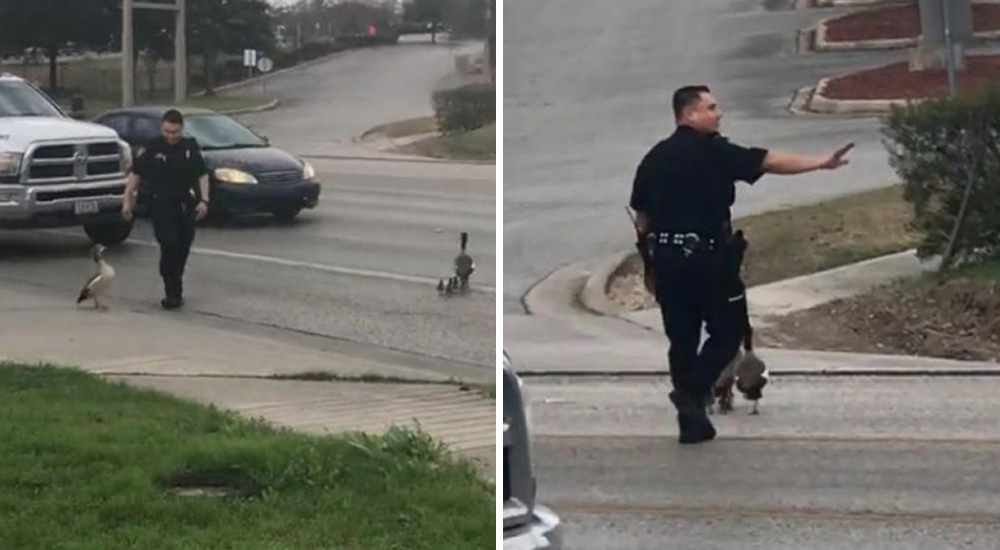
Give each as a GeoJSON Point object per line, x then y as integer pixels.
{"type": "Point", "coordinates": [735, 251]}
{"type": "Point", "coordinates": [646, 248]}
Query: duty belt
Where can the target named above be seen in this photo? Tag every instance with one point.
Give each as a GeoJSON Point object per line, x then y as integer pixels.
{"type": "Point", "coordinates": [690, 241]}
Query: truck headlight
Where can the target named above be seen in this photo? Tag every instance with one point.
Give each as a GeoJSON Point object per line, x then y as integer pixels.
{"type": "Point", "coordinates": [308, 172]}
{"type": "Point", "coordinates": [126, 152]}
{"type": "Point", "coordinates": [232, 175]}
{"type": "Point", "coordinates": [10, 164]}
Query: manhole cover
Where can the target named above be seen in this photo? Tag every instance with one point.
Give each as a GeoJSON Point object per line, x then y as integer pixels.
{"type": "Point", "coordinates": [212, 483]}
{"type": "Point", "coordinates": [210, 492]}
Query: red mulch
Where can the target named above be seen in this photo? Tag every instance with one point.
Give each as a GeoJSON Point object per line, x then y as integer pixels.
{"type": "Point", "coordinates": [896, 81]}
{"type": "Point", "coordinates": [900, 22]}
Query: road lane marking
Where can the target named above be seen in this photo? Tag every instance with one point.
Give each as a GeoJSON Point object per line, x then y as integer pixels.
{"type": "Point", "coordinates": [592, 507]}
{"type": "Point", "coordinates": [779, 438]}
{"type": "Point", "coordinates": [326, 268]}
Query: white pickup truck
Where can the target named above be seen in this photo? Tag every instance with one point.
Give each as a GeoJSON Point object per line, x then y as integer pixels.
{"type": "Point", "coordinates": [56, 171]}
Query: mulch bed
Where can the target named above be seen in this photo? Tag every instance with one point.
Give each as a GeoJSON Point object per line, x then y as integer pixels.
{"type": "Point", "coordinates": [900, 22]}
{"type": "Point", "coordinates": [959, 319]}
{"type": "Point", "coordinates": [896, 81]}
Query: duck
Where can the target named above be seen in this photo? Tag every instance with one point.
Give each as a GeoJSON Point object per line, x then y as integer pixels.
{"type": "Point", "coordinates": [99, 283]}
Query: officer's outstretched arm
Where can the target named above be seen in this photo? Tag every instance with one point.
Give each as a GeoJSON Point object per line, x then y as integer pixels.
{"type": "Point", "coordinates": [781, 162]}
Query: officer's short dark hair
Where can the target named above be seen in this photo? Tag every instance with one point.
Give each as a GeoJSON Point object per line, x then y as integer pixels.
{"type": "Point", "coordinates": [173, 116]}
{"type": "Point", "coordinates": [687, 96]}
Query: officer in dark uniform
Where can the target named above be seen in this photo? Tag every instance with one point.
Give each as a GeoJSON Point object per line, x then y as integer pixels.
{"type": "Point", "coordinates": [178, 189]}
{"type": "Point", "coordinates": [682, 193]}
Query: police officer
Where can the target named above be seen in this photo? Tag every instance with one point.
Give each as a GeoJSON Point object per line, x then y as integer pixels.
{"type": "Point", "coordinates": [682, 193]}
{"type": "Point", "coordinates": [176, 177]}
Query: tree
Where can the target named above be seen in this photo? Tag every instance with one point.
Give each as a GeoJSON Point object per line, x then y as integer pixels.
{"type": "Point", "coordinates": [468, 18]}
{"type": "Point", "coordinates": [52, 24]}
{"type": "Point", "coordinates": [154, 41]}
{"type": "Point", "coordinates": [217, 26]}
{"type": "Point", "coordinates": [430, 12]}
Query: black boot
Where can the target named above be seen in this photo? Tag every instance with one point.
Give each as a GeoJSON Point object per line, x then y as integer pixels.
{"type": "Point", "coordinates": [692, 418]}
{"type": "Point", "coordinates": [172, 302]}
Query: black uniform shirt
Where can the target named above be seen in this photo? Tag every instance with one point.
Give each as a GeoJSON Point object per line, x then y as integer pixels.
{"type": "Point", "coordinates": [686, 182]}
{"type": "Point", "coordinates": [171, 172]}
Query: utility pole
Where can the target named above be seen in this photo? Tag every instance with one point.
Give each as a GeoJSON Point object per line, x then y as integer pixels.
{"type": "Point", "coordinates": [935, 17]}
{"type": "Point", "coordinates": [128, 62]}
{"type": "Point", "coordinates": [128, 45]}
{"type": "Point", "coordinates": [180, 53]}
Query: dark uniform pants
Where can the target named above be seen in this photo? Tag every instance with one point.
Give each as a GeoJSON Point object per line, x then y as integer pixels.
{"type": "Point", "coordinates": [174, 226]}
{"type": "Point", "coordinates": [696, 289]}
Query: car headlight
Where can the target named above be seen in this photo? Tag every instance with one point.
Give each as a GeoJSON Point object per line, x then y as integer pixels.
{"type": "Point", "coordinates": [126, 152]}
{"type": "Point", "coordinates": [10, 164]}
{"type": "Point", "coordinates": [308, 172]}
{"type": "Point", "coordinates": [231, 175]}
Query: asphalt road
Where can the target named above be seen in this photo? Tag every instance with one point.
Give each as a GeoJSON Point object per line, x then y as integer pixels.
{"type": "Point", "coordinates": [869, 462]}
{"type": "Point", "coordinates": [360, 268]}
{"type": "Point", "coordinates": [587, 86]}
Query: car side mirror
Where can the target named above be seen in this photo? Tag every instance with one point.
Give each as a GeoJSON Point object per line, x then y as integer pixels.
{"type": "Point", "coordinates": [266, 140]}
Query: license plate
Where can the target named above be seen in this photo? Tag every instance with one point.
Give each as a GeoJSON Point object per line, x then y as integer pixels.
{"type": "Point", "coordinates": [86, 207]}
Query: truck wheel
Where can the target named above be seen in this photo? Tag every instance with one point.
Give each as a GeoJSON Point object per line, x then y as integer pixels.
{"type": "Point", "coordinates": [108, 234]}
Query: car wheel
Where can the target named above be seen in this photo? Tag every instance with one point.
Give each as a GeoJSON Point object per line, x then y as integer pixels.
{"type": "Point", "coordinates": [287, 214]}
{"type": "Point", "coordinates": [109, 234]}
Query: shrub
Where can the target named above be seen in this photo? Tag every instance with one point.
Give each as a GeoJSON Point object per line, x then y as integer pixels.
{"type": "Point", "coordinates": [465, 108]}
{"type": "Point", "coordinates": [937, 148]}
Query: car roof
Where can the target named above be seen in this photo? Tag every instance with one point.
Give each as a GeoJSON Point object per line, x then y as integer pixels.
{"type": "Point", "coordinates": [156, 111]}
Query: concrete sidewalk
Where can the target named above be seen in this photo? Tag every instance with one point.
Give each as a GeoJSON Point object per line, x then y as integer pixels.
{"type": "Point", "coordinates": [184, 354]}
{"type": "Point", "coordinates": [800, 293]}
{"type": "Point", "coordinates": [562, 335]}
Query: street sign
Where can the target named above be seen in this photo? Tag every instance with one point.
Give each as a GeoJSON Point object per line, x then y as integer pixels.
{"type": "Point", "coordinates": [265, 65]}
{"type": "Point", "coordinates": [249, 58]}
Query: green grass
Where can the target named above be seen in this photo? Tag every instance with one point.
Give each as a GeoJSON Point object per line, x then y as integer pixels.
{"type": "Point", "coordinates": [479, 144]}
{"type": "Point", "coordinates": [404, 128]}
{"type": "Point", "coordinates": [86, 465]}
{"type": "Point", "coordinates": [807, 239]}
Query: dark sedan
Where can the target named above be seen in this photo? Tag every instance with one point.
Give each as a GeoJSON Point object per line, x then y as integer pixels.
{"type": "Point", "coordinates": [247, 174]}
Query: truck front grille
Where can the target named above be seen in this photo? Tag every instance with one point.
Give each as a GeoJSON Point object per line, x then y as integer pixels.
{"type": "Point", "coordinates": [103, 168]}
{"type": "Point", "coordinates": [74, 163]}
{"type": "Point", "coordinates": [51, 171]}
{"type": "Point", "coordinates": [49, 196]}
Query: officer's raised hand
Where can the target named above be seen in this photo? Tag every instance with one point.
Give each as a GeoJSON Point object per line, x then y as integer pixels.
{"type": "Point", "coordinates": [781, 162]}
{"type": "Point", "coordinates": [838, 158]}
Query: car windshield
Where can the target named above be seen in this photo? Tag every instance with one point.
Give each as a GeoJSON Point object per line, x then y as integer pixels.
{"type": "Point", "coordinates": [220, 132]}
{"type": "Point", "coordinates": [20, 99]}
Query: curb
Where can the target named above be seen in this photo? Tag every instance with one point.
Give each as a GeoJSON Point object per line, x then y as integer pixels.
{"type": "Point", "coordinates": [858, 3]}
{"type": "Point", "coordinates": [595, 300]}
{"type": "Point", "coordinates": [260, 78]}
{"type": "Point", "coordinates": [594, 296]}
{"type": "Point", "coordinates": [821, 44]}
{"type": "Point", "coordinates": [819, 103]}
{"type": "Point", "coordinates": [258, 109]}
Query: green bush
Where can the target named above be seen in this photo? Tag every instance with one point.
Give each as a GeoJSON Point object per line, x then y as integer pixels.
{"type": "Point", "coordinates": [465, 108]}
{"type": "Point", "coordinates": [938, 147]}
